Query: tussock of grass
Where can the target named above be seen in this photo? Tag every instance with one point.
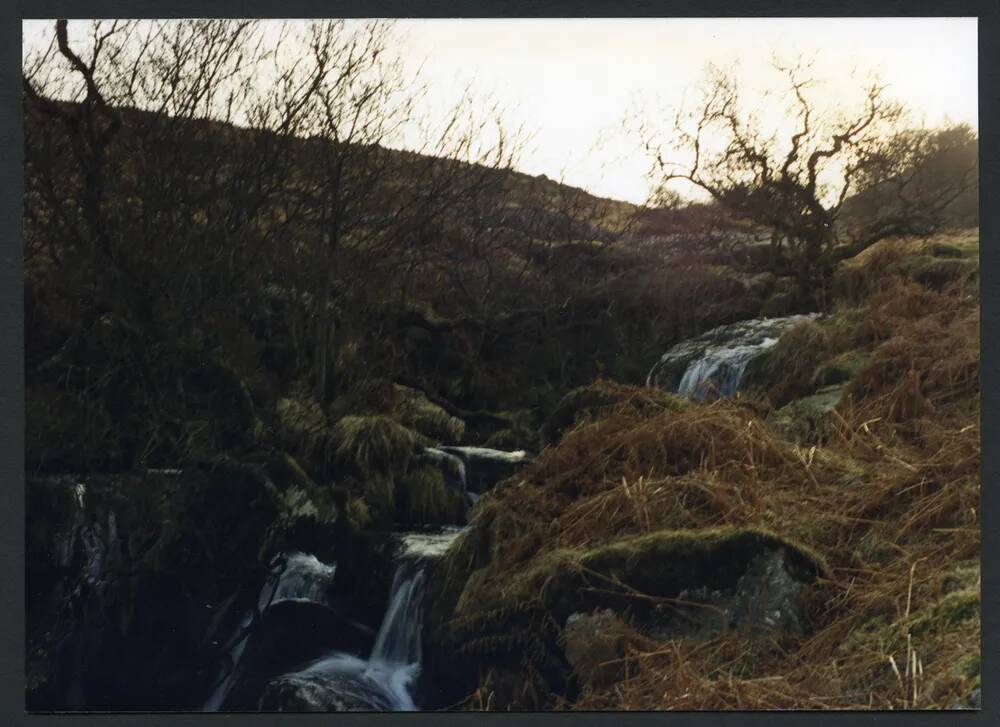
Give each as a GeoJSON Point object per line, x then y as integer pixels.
{"type": "Point", "coordinates": [415, 411]}
{"type": "Point", "coordinates": [425, 498]}
{"type": "Point", "coordinates": [587, 402]}
{"type": "Point", "coordinates": [375, 444]}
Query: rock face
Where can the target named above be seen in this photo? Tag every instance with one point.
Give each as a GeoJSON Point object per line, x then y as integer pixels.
{"type": "Point", "coordinates": [766, 598]}
{"type": "Point", "coordinates": [137, 582]}
{"type": "Point", "coordinates": [714, 362]}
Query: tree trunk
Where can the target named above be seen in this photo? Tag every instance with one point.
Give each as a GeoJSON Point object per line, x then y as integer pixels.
{"type": "Point", "coordinates": [321, 362]}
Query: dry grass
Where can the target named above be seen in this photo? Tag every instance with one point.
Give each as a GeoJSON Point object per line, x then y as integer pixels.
{"type": "Point", "coordinates": [891, 501]}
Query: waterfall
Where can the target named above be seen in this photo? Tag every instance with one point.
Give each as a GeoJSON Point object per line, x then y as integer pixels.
{"type": "Point", "coordinates": [384, 682]}
{"type": "Point", "coordinates": [398, 639]}
{"type": "Point", "coordinates": [714, 362]}
{"type": "Point", "coordinates": [304, 578]}
{"type": "Point", "coordinates": [720, 370]}
{"type": "Point", "coordinates": [337, 680]}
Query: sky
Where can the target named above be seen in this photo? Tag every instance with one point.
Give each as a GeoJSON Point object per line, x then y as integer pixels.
{"type": "Point", "coordinates": [571, 82]}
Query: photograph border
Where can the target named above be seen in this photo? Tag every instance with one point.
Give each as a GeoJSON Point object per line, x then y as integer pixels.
{"type": "Point", "coordinates": [12, 499]}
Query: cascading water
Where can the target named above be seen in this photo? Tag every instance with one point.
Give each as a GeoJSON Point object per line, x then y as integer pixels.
{"type": "Point", "coordinates": [337, 680]}
{"type": "Point", "coordinates": [720, 370]}
{"type": "Point", "coordinates": [341, 681]}
{"type": "Point", "coordinates": [714, 362]}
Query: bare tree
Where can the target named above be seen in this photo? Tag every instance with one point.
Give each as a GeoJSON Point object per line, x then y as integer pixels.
{"type": "Point", "coordinates": [795, 186]}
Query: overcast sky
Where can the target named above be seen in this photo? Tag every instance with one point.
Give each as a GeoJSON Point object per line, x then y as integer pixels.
{"type": "Point", "coordinates": [570, 82]}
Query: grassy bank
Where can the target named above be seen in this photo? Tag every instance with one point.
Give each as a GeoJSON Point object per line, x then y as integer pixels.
{"type": "Point", "coordinates": [858, 444]}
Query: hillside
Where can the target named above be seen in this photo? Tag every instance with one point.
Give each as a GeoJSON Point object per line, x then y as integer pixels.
{"type": "Point", "coordinates": [427, 452]}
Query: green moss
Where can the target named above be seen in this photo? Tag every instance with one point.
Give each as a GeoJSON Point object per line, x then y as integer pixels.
{"type": "Point", "coordinates": [944, 249]}
{"type": "Point", "coordinates": [947, 613]}
{"type": "Point", "coordinates": [839, 370]}
{"type": "Point", "coordinates": [879, 635]}
{"type": "Point", "coordinates": [937, 272]}
{"type": "Point", "coordinates": [668, 561]}
{"type": "Point", "coordinates": [805, 420]}
{"type": "Point", "coordinates": [358, 513]}
{"type": "Point", "coordinates": [969, 667]}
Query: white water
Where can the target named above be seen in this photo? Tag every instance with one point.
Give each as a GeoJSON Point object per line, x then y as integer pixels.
{"type": "Point", "coordinates": [720, 369]}
{"type": "Point", "coordinates": [714, 362]}
{"type": "Point", "coordinates": [304, 578]}
{"type": "Point", "coordinates": [386, 679]}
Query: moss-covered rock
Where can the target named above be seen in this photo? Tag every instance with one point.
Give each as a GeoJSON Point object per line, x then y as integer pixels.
{"type": "Point", "coordinates": [481, 618]}
{"type": "Point", "coordinates": [806, 420]}
{"type": "Point", "coordinates": [838, 370]}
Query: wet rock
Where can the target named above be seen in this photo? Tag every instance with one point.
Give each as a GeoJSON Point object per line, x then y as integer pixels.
{"type": "Point", "coordinates": [716, 359]}
{"type": "Point", "coordinates": [766, 598]}
{"type": "Point", "coordinates": [320, 693]}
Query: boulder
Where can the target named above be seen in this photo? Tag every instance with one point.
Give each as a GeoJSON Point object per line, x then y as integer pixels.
{"type": "Point", "coordinates": [805, 420]}
{"type": "Point", "coordinates": [721, 578]}
{"type": "Point", "coordinates": [767, 598]}
{"type": "Point", "coordinates": [339, 693]}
